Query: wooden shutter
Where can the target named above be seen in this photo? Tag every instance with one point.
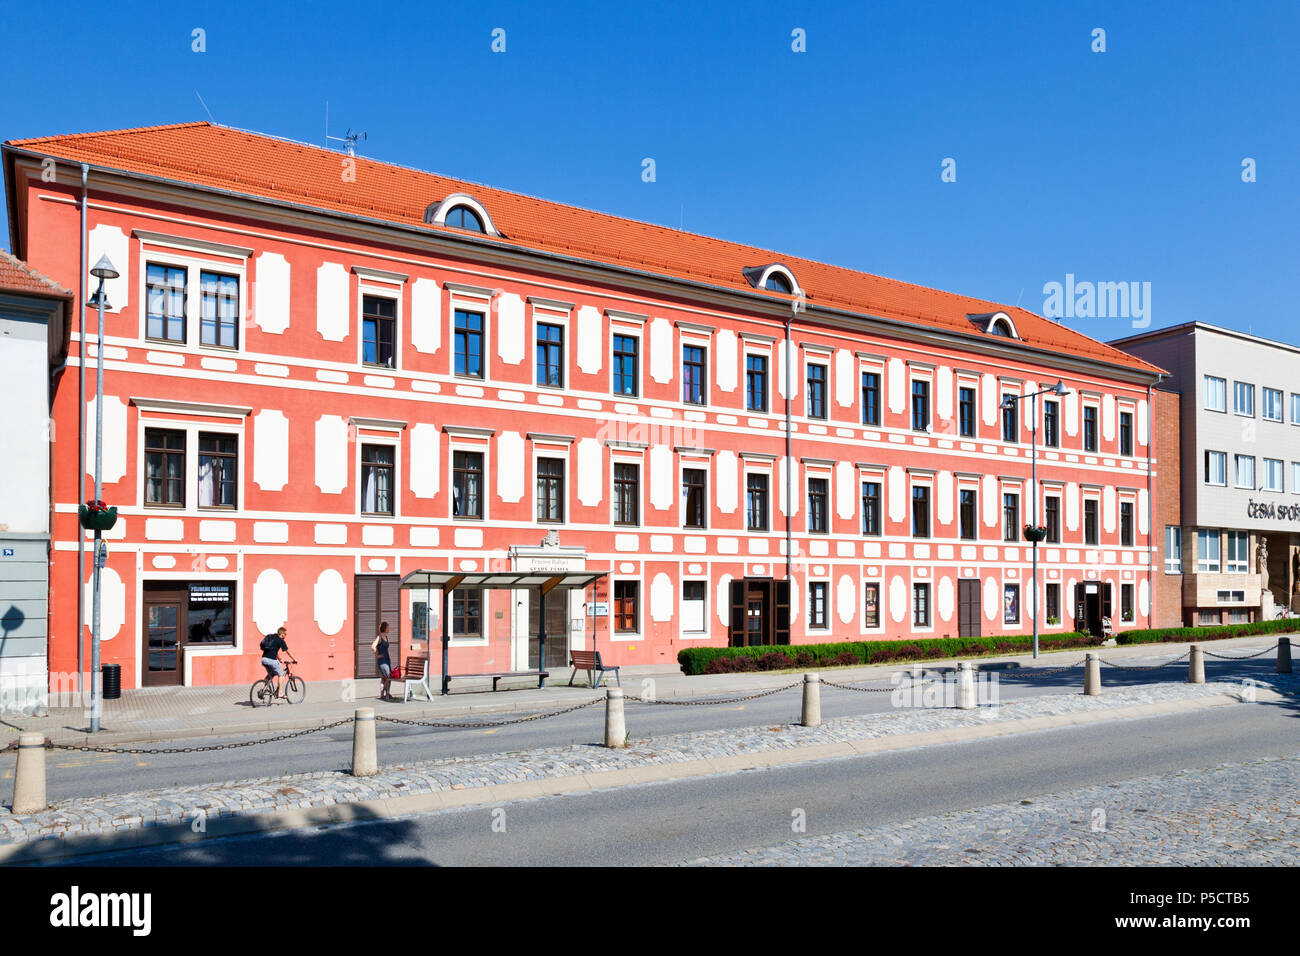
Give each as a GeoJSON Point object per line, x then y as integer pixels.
{"type": "Point", "coordinates": [783, 612]}
{"type": "Point", "coordinates": [737, 636]}
{"type": "Point", "coordinates": [1105, 600]}
{"type": "Point", "coordinates": [365, 619]}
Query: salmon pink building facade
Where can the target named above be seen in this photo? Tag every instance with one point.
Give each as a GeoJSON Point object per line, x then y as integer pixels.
{"type": "Point", "coordinates": [323, 373]}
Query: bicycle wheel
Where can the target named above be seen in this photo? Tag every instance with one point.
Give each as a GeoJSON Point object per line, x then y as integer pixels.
{"type": "Point", "coordinates": [260, 693]}
{"type": "Point", "coordinates": [296, 689]}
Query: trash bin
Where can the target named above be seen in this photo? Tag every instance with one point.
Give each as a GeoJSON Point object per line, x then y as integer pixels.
{"type": "Point", "coordinates": [112, 683]}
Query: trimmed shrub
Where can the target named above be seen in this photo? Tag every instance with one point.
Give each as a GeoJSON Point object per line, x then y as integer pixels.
{"type": "Point", "coordinates": [1179, 635]}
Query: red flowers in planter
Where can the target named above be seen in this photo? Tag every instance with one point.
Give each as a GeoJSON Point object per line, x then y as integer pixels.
{"type": "Point", "coordinates": [95, 506]}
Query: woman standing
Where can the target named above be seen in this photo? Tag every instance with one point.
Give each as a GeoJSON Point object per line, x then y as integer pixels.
{"type": "Point", "coordinates": [380, 647]}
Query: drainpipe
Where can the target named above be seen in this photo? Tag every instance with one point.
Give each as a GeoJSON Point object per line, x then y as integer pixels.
{"type": "Point", "coordinates": [789, 461]}
{"type": "Point", "coordinates": [1151, 506]}
{"type": "Point", "coordinates": [81, 437]}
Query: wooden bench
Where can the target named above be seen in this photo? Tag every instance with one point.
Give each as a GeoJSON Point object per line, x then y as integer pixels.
{"type": "Point", "coordinates": [590, 662]}
{"type": "Point", "coordinates": [416, 674]}
{"type": "Point", "coordinates": [496, 677]}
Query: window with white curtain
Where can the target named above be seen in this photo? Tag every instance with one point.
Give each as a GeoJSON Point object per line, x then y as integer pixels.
{"type": "Point", "coordinates": [377, 470]}
{"type": "Point", "coordinates": [218, 467]}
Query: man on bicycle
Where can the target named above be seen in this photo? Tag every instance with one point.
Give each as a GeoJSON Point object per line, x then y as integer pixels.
{"type": "Point", "coordinates": [272, 646]}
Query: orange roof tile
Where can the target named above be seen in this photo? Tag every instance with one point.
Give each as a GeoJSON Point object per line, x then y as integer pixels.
{"type": "Point", "coordinates": [18, 276]}
{"type": "Point", "coordinates": [207, 155]}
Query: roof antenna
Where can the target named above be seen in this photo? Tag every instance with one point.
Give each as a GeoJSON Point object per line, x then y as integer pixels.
{"type": "Point", "coordinates": [350, 137]}
{"type": "Point", "coordinates": [205, 108]}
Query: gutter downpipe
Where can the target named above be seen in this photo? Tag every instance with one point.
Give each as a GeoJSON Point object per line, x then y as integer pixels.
{"type": "Point", "coordinates": [1151, 501]}
{"type": "Point", "coordinates": [789, 463]}
{"type": "Point", "coordinates": [81, 439]}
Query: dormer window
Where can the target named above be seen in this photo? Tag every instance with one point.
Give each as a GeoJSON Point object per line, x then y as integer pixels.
{"type": "Point", "coordinates": [995, 323]}
{"type": "Point", "coordinates": [777, 283]}
{"type": "Point", "coordinates": [462, 217]}
{"type": "Point", "coordinates": [774, 278]}
{"type": "Point", "coordinates": [461, 211]}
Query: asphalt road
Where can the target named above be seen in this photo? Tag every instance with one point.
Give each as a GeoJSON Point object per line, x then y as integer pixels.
{"type": "Point", "coordinates": [74, 774]}
{"type": "Point", "coordinates": [676, 821]}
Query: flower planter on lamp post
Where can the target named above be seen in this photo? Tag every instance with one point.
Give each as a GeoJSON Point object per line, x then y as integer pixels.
{"type": "Point", "coordinates": [95, 516]}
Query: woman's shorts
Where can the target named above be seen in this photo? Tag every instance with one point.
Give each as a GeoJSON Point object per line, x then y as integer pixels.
{"type": "Point", "coordinates": [385, 670]}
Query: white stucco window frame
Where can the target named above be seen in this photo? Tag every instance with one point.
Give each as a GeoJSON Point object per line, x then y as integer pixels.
{"type": "Point", "coordinates": [627, 637]}
{"type": "Point", "coordinates": [628, 454]}
{"type": "Point", "coordinates": [380, 285]}
{"type": "Point", "coordinates": [191, 418]}
{"type": "Point", "coordinates": [697, 460]}
{"type": "Point", "coordinates": [551, 312]}
{"type": "Point", "coordinates": [195, 256]}
{"type": "Point", "coordinates": [628, 325]}
{"type": "Point", "coordinates": [477, 440]}
{"type": "Point", "coordinates": [701, 635]}
{"type": "Point", "coordinates": [377, 432]}
{"type": "Point", "coordinates": [468, 298]}
{"type": "Point", "coordinates": [552, 446]}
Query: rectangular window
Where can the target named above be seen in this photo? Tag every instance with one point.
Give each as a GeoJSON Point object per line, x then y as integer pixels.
{"type": "Point", "coordinates": [164, 467]}
{"type": "Point", "coordinates": [1052, 518]}
{"type": "Point", "coordinates": [1238, 553]}
{"type": "Point", "coordinates": [1243, 399]}
{"type": "Point", "coordinates": [467, 484]}
{"type": "Point", "coordinates": [871, 604]}
{"type": "Point", "coordinates": [1010, 420]}
{"type": "Point", "coordinates": [694, 497]}
{"type": "Point", "coordinates": [1173, 549]}
{"type": "Point", "coordinates": [1271, 404]}
{"type": "Point", "coordinates": [627, 494]}
{"type": "Point", "coordinates": [967, 515]}
{"type": "Point", "coordinates": [1052, 603]}
{"type": "Point", "coordinates": [871, 507]}
{"type": "Point", "coordinates": [1090, 428]}
{"type": "Point", "coordinates": [378, 330]}
{"type": "Point", "coordinates": [212, 611]}
{"type": "Point", "coordinates": [165, 319]}
{"type": "Point", "coordinates": [871, 398]}
{"type": "Point", "coordinates": [756, 383]}
{"type": "Point", "coordinates": [550, 489]}
{"type": "Point", "coordinates": [1052, 424]}
{"type": "Point", "coordinates": [469, 343]}
{"type": "Point", "coordinates": [1207, 550]}
{"type": "Point", "coordinates": [920, 605]}
{"type": "Point", "coordinates": [818, 497]}
{"type": "Point", "coordinates": [1228, 596]}
{"type": "Point", "coordinates": [1295, 477]}
{"type": "Point", "coordinates": [1273, 479]}
{"type": "Point", "coordinates": [920, 406]}
{"type": "Point", "coordinates": [219, 323]}
{"type": "Point", "coordinates": [816, 391]}
{"type": "Point", "coordinates": [550, 355]}
{"type": "Point", "coordinates": [1216, 468]}
{"type": "Point", "coordinates": [693, 364]}
{"type": "Point", "coordinates": [1216, 394]}
{"type": "Point", "coordinates": [1090, 521]}
{"type": "Point", "coordinates": [1011, 604]}
{"type": "Point", "coordinates": [1244, 471]}
{"type": "Point", "coordinates": [966, 412]}
{"type": "Point", "coordinates": [1126, 602]}
{"type": "Point", "coordinates": [467, 614]}
{"type": "Point", "coordinates": [921, 511]}
{"type": "Point", "coordinates": [817, 605]}
{"type": "Point", "coordinates": [1126, 524]}
{"type": "Point", "coordinates": [1010, 517]}
{"type": "Point", "coordinates": [756, 502]}
{"type": "Point", "coordinates": [1295, 408]}
{"type": "Point", "coordinates": [625, 365]}
{"type": "Point", "coordinates": [625, 606]}
{"type": "Point", "coordinates": [218, 470]}
{"type": "Point", "coordinates": [1126, 433]}
{"type": "Point", "coordinates": [694, 610]}
{"type": "Point", "coordinates": [377, 479]}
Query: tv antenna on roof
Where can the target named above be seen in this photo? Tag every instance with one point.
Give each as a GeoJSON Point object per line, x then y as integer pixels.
{"type": "Point", "coordinates": [350, 137]}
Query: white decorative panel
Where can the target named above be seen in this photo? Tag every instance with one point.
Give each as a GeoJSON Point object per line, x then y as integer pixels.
{"type": "Point", "coordinates": [896, 493]}
{"type": "Point", "coordinates": [727, 366]}
{"type": "Point", "coordinates": [1072, 506]}
{"type": "Point", "coordinates": [897, 599]}
{"type": "Point", "coordinates": [992, 507]}
{"type": "Point", "coordinates": [109, 241]}
{"type": "Point", "coordinates": [163, 529]}
{"type": "Point", "coordinates": [845, 488]}
{"type": "Point", "coordinates": [331, 454]}
{"type": "Point", "coordinates": [270, 449]}
{"type": "Point", "coordinates": [897, 386]}
{"type": "Point", "coordinates": [992, 599]}
{"type": "Point", "coordinates": [661, 350]}
{"type": "Point", "coordinates": [330, 601]}
{"type": "Point", "coordinates": [843, 378]}
{"type": "Point", "coordinates": [1143, 511]}
{"type": "Point", "coordinates": [945, 597]}
{"type": "Point", "coordinates": [1142, 411]}
{"type": "Point", "coordinates": [377, 535]}
{"type": "Point", "coordinates": [989, 398]}
{"type": "Point", "coordinates": [467, 538]}
{"type": "Point", "coordinates": [1067, 601]}
{"type": "Point", "coordinates": [661, 598]}
{"type": "Point", "coordinates": [782, 354]}
{"type": "Point", "coordinates": [112, 594]}
{"type": "Point", "coordinates": [661, 477]}
{"type": "Point", "coordinates": [1108, 417]}
{"type": "Point", "coordinates": [271, 293]}
{"type": "Point", "coordinates": [164, 562]}
{"type": "Point", "coordinates": [794, 600]}
{"type": "Point", "coordinates": [510, 328]}
{"type": "Point", "coordinates": [1071, 403]}
{"type": "Point", "coordinates": [723, 603]}
{"type": "Point", "coordinates": [426, 316]}
{"type": "Point", "coordinates": [1108, 508]}
{"type": "Point", "coordinates": [424, 537]}
{"type": "Point", "coordinates": [792, 479]}
{"type": "Point", "coordinates": [271, 532]}
{"type": "Point", "coordinates": [728, 480]}
{"type": "Point", "coordinates": [114, 462]}
{"type": "Point", "coordinates": [330, 533]}
{"type": "Point", "coordinates": [589, 339]}
{"type": "Point", "coordinates": [590, 472]}
{"type": "Point", "coordinates": [1144, 597]}
{"type": "Point", "coordinates": [270, 601]}
{"type": "Point", "coordinates": [332, 301]}
{"type": "Point", "coordinates": [846, 598]}
{"type": "Point", "coordinates": [214, 530]}
{"type": "Point", "coordinates": [425, 474]}
{"type": "Point", "coordinates": [943, 391]}
{"type": "Point", "coordinates": [944, 495]}
{"type": "Point", "coordinates": [510, 466]}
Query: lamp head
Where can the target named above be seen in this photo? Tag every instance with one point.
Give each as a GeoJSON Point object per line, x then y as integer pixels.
{"type": "Point", "coordinates": [1008, 401]}
{"type": "Point", "coordinates": [1060, 389]}
{"type": "Point", "coordinates": [104, 269]}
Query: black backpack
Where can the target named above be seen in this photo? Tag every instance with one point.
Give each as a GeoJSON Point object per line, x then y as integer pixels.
{"type": "Point", "coordinates": [269, 644]}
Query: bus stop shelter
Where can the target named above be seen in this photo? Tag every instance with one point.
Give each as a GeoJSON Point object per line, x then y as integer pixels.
{"type": "Point", "coordinates": [544, 581]}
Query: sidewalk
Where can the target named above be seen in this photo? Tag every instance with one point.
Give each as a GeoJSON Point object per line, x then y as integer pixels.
{"type": "Point", "coordinates": [173, 713]}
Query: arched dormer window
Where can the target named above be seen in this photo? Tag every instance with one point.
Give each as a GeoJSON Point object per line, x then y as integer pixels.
{"type": "Point", "coordinates": [995, 323]}
{"type": "Point", "coordinates": [774, 278]}
{"type": "Point", "coordinates": [461, 211]}
{"type": "Point", "coordinates": [777, 283]}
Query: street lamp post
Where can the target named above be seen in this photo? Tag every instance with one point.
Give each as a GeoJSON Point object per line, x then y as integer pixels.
{"type": "Point", "coordinates": [103, 271]}
{"type": "Point", "coordinates": [1010, 401]}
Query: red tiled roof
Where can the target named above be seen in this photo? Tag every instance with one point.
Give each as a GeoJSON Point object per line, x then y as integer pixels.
{"type": "Point", "coordinates": [220, 157]}
{"type": "Point", "coordinates": [17, 276]}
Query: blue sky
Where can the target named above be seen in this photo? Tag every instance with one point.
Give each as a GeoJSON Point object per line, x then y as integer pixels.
{"type": "Point", "coordinates": [1122, 166]}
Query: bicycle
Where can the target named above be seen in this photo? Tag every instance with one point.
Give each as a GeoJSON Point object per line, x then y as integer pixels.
{"type": "Point", "coordinates": [263, 691]}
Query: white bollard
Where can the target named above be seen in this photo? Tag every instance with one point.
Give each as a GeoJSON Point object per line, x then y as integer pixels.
{"type": "Point", "coordinates": [1196, 666]}
{"type": "Point", "coordinates": [29, 774]}
{"type": "Point", "coordinates": [365, 759]}
{"type": "Point", "coordinates": [812, 700]}
{"type": "Point", "coordinates": [615, 724]}
{"type": "Point", "coordinates": [1092, 675]}
{"type": "Point", "coordinates": [966, 686]}
{"type": "Point", "coordinates": [1284, 655]}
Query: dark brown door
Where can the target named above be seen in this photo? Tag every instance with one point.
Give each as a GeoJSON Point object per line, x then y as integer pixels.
{"type": "Point", "coordinates": [557, 628]}
{"type": "Point", "coordinates": [378, 598]}
{"type": "Point", "coordinates": [968, 607]}
{"type": "Point", "coordinates": [760, 612]}
{"type": "Point", "coordinates": [163, 638]}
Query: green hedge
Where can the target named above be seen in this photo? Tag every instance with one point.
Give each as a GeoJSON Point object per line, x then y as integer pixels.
{"type": "Point", "coordinates": [1179, 635]}
{"type": "Point", "coordinates": [714, 660]}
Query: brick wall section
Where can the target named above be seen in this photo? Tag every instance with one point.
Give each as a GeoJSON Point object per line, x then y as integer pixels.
{"type": "Point", "coordinates": [1167, 506]}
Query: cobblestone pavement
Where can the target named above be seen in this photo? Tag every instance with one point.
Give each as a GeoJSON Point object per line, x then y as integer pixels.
{"type": "Point", "coordinates": [1232, 815]}
{"type": "Point", "coordinates": [183, 804]}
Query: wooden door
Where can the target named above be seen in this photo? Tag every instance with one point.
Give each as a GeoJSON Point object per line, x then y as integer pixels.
{"type": "Point", "coordinates": [377, 598]}
{"type": "Point", "coordinates": [162, 640]}
{"type": "Point", "coordinates": [968, 607]}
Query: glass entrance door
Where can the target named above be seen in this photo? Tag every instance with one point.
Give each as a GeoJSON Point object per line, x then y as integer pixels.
{"type": "Point", "coordinates": [162, 638]}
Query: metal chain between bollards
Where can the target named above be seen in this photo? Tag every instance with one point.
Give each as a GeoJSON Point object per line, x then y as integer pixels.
{"type": "Point", "coordinates": [1036, 672]}
{"type": "Point", "coordinates": [1145, 667]}
{"type": "Point", "coordinates": [206, 748]}
{"type": "Point", "coordinates": [877, 690]}
{"type": "Point", "coordinates": [474, 725]}
{"type": "Point", "coordinates": [715, 700]}
{"type": "Point", "coordinates": [1240, 657]}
